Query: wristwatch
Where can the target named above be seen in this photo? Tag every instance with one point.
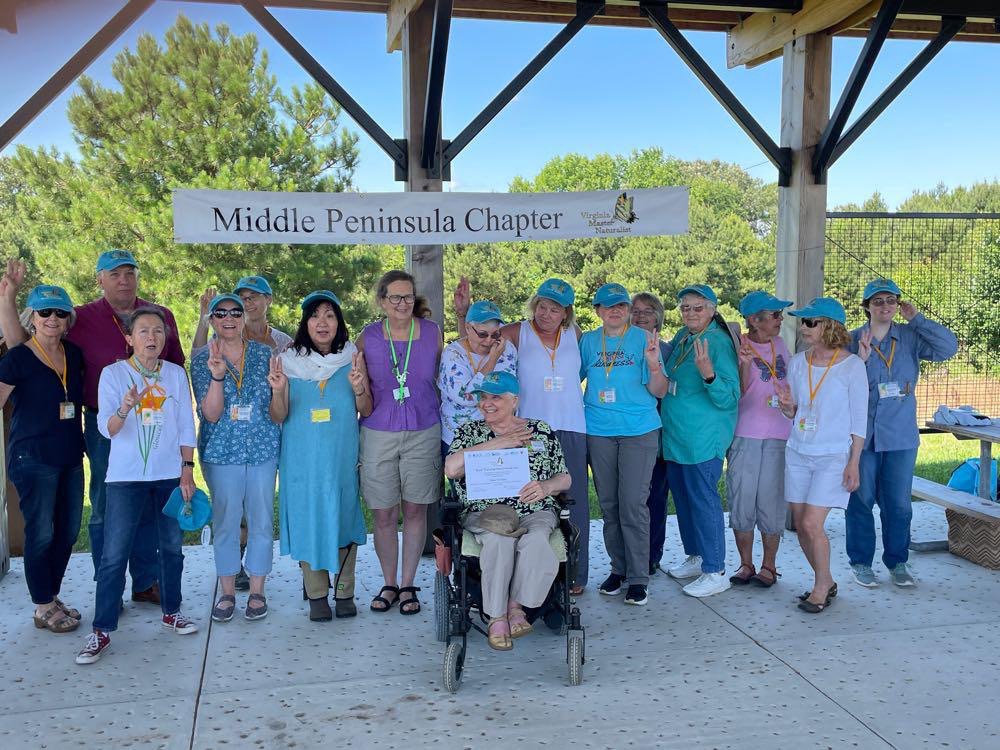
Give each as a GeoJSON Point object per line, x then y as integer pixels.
{"type": "Point", "coordinates": [709, 381]}
{"type": "Point", "coordinates": [187, 464]}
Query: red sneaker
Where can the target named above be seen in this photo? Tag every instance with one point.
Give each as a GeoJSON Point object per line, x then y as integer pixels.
{"type": "Point", "coordinates": [179, 624]}
{"type": "Point", "coordinates": [97, 643]}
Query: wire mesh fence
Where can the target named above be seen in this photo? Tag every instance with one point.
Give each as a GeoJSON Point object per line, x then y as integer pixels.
{"type": "Point", "coordinates": [948, 265]}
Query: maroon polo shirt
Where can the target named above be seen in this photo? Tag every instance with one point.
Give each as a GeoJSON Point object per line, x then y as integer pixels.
{"type": "Point", "coordinates": [99, 333]}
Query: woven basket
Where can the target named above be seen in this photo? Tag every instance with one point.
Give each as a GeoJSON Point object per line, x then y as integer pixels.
{"type": "Point", "coordinates": [976, 539]}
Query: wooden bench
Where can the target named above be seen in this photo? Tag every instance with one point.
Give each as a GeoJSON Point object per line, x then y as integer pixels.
{"type": "Point", "coordinates": [973, 523]}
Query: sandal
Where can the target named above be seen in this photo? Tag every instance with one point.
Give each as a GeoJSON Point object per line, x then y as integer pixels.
{"type": "Point", "coordinates": [68, 611]}
{"type": "Point", "coordinates": [743, 580]}
{"type": "Point", "coordinates": [775, 575]}
{"type": "Point", "coordinates": [518, 621]}
{"type": "Point", "coordinates": [256, 607]}
{"type": "Point", "coordinates": [413, 603]}
{"type": "Point", "coordinates": [829, 594]}
{"type": "Point", "coordinates": [576, 589]}
{"type": "Point", "coordinates": [813, 608]}
{"type": "Point", "coordinates": [386, 604]}
{"type": "Point", "coordinates": [56, 621]}
{"type": "Point", "coordinates": [224, 609]}
{"type": "Point", "coordinates": [498, 641]}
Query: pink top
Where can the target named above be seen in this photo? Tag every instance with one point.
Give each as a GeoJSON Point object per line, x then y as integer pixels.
{"type": "Point", "coordinates": [758, 418]}
{"type": "Point", "coordinates": [100, 333]}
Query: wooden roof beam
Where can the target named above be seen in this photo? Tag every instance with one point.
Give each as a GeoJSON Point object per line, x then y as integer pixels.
{"type": "Point", "coordinates": [395, 18]}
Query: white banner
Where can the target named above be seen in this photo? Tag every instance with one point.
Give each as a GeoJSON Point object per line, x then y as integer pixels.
{"type": "Point", "coordinates": [229, 216]}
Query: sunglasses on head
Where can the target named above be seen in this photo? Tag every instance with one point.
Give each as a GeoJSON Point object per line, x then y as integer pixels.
{"type": "Point", "coordinates": [232, 312]}
{"type": "Point", "coordinates": [61, 314]}
{"type": "Point", "coordinates": [484, 335]}
{"type": "Point", "coordinates": [810, 322]}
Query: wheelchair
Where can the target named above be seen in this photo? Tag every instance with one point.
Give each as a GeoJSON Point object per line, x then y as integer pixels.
{"type": "Point", "coordinates": [457, 592]}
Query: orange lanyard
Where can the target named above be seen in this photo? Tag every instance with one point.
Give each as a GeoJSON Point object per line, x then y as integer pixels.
{"type": "Point", "coordinates": [153, 395]}
{"type": "Point", "coordinates": [814, 393]}
{"type": "Point", "coordinates": [551, 352]}
{"type": "Point", "coordinates": [604, 351]}
{"type": "Point", "coordinates": [772, 366]}
{"type": "Point", "coordinates": [62, 378]}
{"type": "Point", "coordinates": [468, 353]}
{"type": "Point", "coordinates": [118, 324]}
{"type": "Point", "coordinates": [687, 351]}
{"type": "Point", "coordinates": [238, 376]}
{"type": "Point", "coordinates": [892, 356]}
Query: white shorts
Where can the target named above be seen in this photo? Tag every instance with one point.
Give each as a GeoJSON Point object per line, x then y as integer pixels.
{"type": "Point", "coordinates": [816, 480]}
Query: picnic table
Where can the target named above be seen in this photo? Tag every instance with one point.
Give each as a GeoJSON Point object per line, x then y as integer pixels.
{"type": "Point", "coordinates": [986, 435]}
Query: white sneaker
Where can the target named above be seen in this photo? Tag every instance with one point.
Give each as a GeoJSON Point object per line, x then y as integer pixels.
{"type": "Point", "coordinates": [707, 584]}
{"type": "Point", "coordinates": [687, 569]}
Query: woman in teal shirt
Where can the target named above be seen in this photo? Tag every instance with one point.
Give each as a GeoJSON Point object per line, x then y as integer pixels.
{"type": "Point", "coordinates": [624, 375]}
{"type": "Point", "coordinates": [699, 419]}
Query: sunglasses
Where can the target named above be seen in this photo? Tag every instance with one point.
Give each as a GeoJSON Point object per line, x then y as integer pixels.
{"type": "Point", "coordinates": [232, 312]}
{"type": "Point", "coordinates": [61, 314]}
{"type": "Point", "coordinates": [885, 302]}
{"type": "Point", "coordinates": [483, 335]}
{"type": "Point", "coordinates": [692, 308]}
{"type": "Point", "coordinates": [773, 314]}
{"type": "Point", "coordinates": [810, 322]}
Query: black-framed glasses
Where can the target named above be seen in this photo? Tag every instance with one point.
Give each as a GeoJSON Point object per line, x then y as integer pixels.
{"type": "Point", "coordinates": [810, 322]}
{"type": "Point", "coordinates": [395, 299]}
{"type": "Point", "coordinates": [484, 335]}
{"type": "Point", "coordinates": [232, 312]}
{"type": "Point", "coordinates": [61, 314]}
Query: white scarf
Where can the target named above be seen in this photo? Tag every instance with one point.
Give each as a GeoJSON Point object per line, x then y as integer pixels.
{"type": "Point", "coordinates": [315, 366]}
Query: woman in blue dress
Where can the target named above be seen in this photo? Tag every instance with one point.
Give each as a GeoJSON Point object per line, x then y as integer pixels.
{"type": "Point", "coordinates": [319, 385]}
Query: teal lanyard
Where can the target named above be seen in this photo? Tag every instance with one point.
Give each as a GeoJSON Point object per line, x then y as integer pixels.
{"type": "Point", "coordinates": [400, 376]}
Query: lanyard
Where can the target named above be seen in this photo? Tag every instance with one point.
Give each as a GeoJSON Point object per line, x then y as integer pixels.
{"type": "Point", "coordinates": [400, 376]}
{"type": "Point", "coordinates": [153, 395]}
{"type": "Point", "coordinates": [468, 352]}
{"type": "Point", "coordinates": [551, 352]}
{"type": "Point", "coordinates": [772, 366]}
{"type": "Point", "coordinates": [238, 376]}
{"type": "Point", "coordinates": [684, 352]}
{"type": "Point", "coordinates": [814, 393]}
{"type": "Point", "coordinates": [118, 325]}
{"type": "Point", "coordinates": [604, 351]}
{"type": "Point", "coordinates": [62, 378]}
{"type": "Point", "coordinates": [892, 356]}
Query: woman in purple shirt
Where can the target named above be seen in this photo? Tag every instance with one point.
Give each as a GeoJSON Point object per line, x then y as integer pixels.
{"type": "Point", "coordinates": [400, 451]}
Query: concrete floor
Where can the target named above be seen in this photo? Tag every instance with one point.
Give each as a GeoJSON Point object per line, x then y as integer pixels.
{"type": "Point", "coordinates": [882, 668]}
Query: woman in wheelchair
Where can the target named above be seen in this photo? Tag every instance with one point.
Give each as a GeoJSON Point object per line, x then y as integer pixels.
{"type": "Point", "coordinates": [518, 564]}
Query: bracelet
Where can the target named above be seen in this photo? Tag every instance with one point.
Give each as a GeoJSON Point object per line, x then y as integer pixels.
{"type": "Point", "coordinates": [121, 416]}
{"type": "Point", "coordinates": [187, 464]}
{"type": "Point", "coordinates": [217, 380]}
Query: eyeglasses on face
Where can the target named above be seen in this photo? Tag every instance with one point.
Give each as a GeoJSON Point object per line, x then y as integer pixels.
{"type": "Point", "coordinates": [692, 308]}
{"type": "Point", "coordinates": [484, 335]}
{"type": "Point", "coordinates": [810, 322]}
{"type": "Point", "coordinates": [232, 312]}
{"type": "Point", "coordinates": [772, 314]}
{"type": "Point", "coordinates": [638, 312]}
{"type": "Point", "coordinates": [885, 301]}
{"type": "Point", "coordinates": [62, 314]}
{"type": "Point", "coordinates": [251, 296]}
{"type": "Point", "coordinates": [407, 299]}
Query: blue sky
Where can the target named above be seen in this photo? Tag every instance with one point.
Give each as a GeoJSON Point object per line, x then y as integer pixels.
{"type": "Point", "coordinates": [609, 90]}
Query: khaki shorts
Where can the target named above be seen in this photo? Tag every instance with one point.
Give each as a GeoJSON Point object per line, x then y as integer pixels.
{"type": "Point", "coordinates": [403, 465]}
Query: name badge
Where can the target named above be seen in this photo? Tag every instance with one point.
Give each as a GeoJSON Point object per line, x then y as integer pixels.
{"type": "Point", "coordinates": [772, 402]}
{"type": "Point", "coordinates": [672, 387]}
{"type": "Point", "coordinates": [401, 393]}
{"type": "Point", "coordinates": [536, 445]}
{"type": "Point", "coordinates": [807, 424]}
{"type": "Point", "coordinates": [889, 390]}
{"type": "Point", "coordinates": [152, 418]}
{"type": "Point", "coordinates": [67, 410]}
{"type": "Point", "coordinates": [320, 415]}
{"type": "Point", "coordinates": [553, 383]}
{"type": "Point", "coordinates": [606, 396]}
{"type": "Point", "coordinates": [239, 413]}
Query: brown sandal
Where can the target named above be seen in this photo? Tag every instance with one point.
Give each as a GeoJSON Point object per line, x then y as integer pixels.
{"type": "Point", "coordinates": [71, 612]}
{"type": "Point", "coordinates": [519, 624]}
{"type": "Point", "coordinates": [743, 580]}
{"type": "Point", "coordinates": [56, 621]}
{"type": "Point", "coordinates": [775, 575]}
{"type": "Point", "coordinates": [498, 641]}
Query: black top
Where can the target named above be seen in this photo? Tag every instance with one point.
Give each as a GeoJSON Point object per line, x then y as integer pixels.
{"type": "Point", "coordinates": [36, 430]}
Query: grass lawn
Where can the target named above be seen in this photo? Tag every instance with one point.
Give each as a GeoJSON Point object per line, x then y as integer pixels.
{"type": "Point", "coordinates": [939, 455]}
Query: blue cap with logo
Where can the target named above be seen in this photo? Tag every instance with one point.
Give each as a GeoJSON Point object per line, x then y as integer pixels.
{"type": "Point", "coordinates": [761, 301]}
{"type": "Point", "coordinates": [557, 290]}
{"type": "Point", "coordinates": [610, 295]}
{"type": "Point", "coordinates": [48, 297]}
{"type": "Point", "coordinates": [111, 259]}
{"type": "Point", "coordinates": [702, 290]}
{"type": "Point", "coordinates": [190, 516]}
{"type": "Point", "coordinates": [254, 284]}
{"type": "Point", "coordinates": [822, 307]}
{"type": "Point", "coordinates": [321, 294]}
{"type": "Point", "coordinates": [220, 298]}
{"type": "Point", "coordinates": [482, 312]}
{"type": "Point", "coordinates": [880, 285]}
{"type": "Point", "coordinates": [498, 383]}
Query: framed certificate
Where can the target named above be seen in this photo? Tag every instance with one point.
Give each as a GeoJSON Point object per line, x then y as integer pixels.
{"type": "Point", "coordinates": [500, 473]}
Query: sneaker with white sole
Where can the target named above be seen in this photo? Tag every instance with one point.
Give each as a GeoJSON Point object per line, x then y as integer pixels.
{"type": "Point", "coordinates": [636, 595]}
{"type": "Point", "coordinates": [687, 569]}
{"type": "Point", "coordinates": [612, 585]}
{"type": "Point", "coordinates": [179, 624]}
{"type": "Point", "coordinates": [901, 575]}
{"type": "Point", "coordinates": [98, 642]}
{"type": "Point", "coordinates": [707, 584]}
{"type": "Point", "coordinates": [864, 576]}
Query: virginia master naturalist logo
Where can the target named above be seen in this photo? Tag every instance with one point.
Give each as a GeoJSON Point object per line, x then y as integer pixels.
{"type": "Point", "coordinates": [616, 221]}
{"type": "Point", "coordinates": [623, 209]}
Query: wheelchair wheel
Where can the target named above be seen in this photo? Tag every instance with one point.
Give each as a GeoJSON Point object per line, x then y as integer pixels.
{"type": "Point", "coordinates": [454, 662]}
{"type": "Point", "coordinates": [441, 607]}
{"type": "Point", "coordinates": [574, 655]}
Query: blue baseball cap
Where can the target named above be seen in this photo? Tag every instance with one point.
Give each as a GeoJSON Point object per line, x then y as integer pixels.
{"type": "Point", "coordinates": [557, 290]}
{"type": "Point", "coordinates": [880, 285]}
{"type": "Point", "coordinates": [610, 295]}
{"type": "Point", "coordinates": [111, 259]}
{"type": "Point", "coordinates": [48, 297]}
{"type": "Point", "coordinates": [822, 307]}
{"type": "Point", "coordinates": [482, 312]}
{"type": "Point", "coordinates": [254, 284]}
{"type": "Point", "coordinates": [702, 290]}
{"type": "Point", "coordinates": [498, 383]}
{"type": "Point", "coordinates": [759, 301]}
{"type": "Point", "coordinates": [220, 298]}
{"type": "Point", "coordinates": [189, 517]}
{"type": "Point", "coordinates": [321, 294]}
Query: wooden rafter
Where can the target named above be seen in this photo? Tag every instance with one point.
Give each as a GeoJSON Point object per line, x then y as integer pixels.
{"type": "Point", "coordinates": [395, 18]}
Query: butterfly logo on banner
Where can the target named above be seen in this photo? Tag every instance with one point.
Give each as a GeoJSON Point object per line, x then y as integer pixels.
{"type": "Point", "coordinates": [623, 209]}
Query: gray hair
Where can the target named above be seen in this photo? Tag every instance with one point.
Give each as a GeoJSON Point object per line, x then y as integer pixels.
{"type": "Point", "coordinates": [653, 301]}
{"type": "Point", "coordinates": [28, 323]}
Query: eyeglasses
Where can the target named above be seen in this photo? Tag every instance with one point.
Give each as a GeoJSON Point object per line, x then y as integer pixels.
{"type": "Point", "coordinates": [61, 314]}
{"type": "Point", "coordinates": [885, 302]}
{"type": "Point", "coordinates": [772, 314]}
{"type": "Point", "coordinates": [232, 312]}
{"type": "Point", "coordinates": [810, 322]}
{"type": "Point", "coordinates": [408, 299]}
{"type": "Point", "coordinates": [640, 313]}
{"type": "Point", "coordinates": [692, 308]}
{"type": "Point", "coordinates": [484, 335]}
{"type": "Point", "coordinates": [252, 297]}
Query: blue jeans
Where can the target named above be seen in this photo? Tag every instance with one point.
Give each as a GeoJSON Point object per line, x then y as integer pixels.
{"type": "Point", "coordinates": [134, 508]}
{"type": "Point", "coordinates": [142, 561]}
{"type": "Point", "coordinates": [657, 504]}
{"type": "Point", "coordinates": [51, 501]}
{"type": "Point", "coordinates": [235, 489]}
{"type": "Point", "coordinates": [886, 479]}
{"type": "Point", "coordinates": [699, 511]}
